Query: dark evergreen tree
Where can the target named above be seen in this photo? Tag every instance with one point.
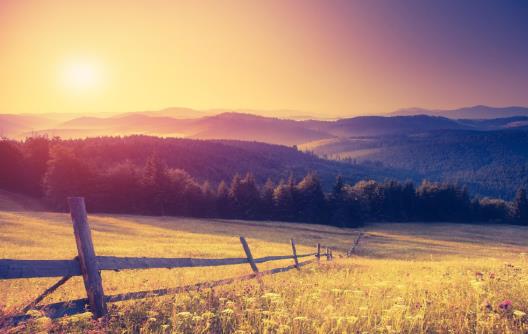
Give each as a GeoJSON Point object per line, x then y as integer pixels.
{"type": "Point", "coordinates": [408, 201]}
{"type": "Point", "coordinates": [311, 200]}
{"type": "Point", "coordinates": [245, 196]}
{"type": "Point", "coordinates": [184, 196]}
{"type": "Point", "coordinates": [370, 196]}
{"type": "Point", "coordinates": [11, 166]}
{"type": "Point", "coordinates": [118, 189]}
{"type": "Point", "coordinates": [223, 203]}
{"type": "Point", "coordinates": [68, 176]}
{"type": "Point", "coordinates": [283, 198]}
{"type": "Point", "coordinates": [208, 205]}
{"type": "Point", "coordinates": [338, 204]}
{"type": "Point", "coordinates": [267, 210]}
{"type": "Point", "coordinates": [36, 150]}
{"type": "Point", "coordinates": [490, 210]}
{"type": "Point", "coordinates": [156, 185]}
{"type": "Point", "coordinates": [193, 198]}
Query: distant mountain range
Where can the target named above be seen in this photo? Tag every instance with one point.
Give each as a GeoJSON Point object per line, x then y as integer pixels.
{"type": "Point", "coordinates": [475, 112]}
{"type": "Point", "coordinates": [189, 123]}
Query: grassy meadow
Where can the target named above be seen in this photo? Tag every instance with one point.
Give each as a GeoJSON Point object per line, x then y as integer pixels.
{"type": "Point", "coordinates": [416, 278]}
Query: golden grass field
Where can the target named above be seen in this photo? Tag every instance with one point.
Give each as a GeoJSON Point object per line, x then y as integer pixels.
{"type": "Point", "coordinates": [406, 278]}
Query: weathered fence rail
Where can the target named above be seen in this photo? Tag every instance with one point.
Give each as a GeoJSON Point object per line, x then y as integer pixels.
{"type": "Point", "coordinates": [12, 269]}
{"type": "Point", "coordinates": [88, 265]}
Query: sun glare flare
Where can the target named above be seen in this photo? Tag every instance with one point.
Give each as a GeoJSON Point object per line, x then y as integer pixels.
{"type": "Point", "coordinates": [82, 76]}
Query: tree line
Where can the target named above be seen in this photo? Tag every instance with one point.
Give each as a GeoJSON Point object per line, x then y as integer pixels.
{"type": "Point", "coordinates": [50, 169]}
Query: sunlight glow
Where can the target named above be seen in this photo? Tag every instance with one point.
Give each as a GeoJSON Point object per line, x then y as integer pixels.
{"type": "Point", "coordinates": [82, 76]}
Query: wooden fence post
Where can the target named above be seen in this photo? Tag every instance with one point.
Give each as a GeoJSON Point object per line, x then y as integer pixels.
{"type": "Point", "coordinates": [87, 260]}
{"type": "Point", "coordinates": [294, 251]}
{"type": "Point", "coordinates": [356, 244]}
{"type": "Point", "coordinates": [318, 253]}
{"type": "Point", "coordinates": [327, 254]}
{"type": "Point", "coordinates": [249, 255]}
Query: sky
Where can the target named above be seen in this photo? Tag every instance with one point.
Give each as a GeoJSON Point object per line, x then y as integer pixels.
{"type": "Point", "coordinates": [325, 58]}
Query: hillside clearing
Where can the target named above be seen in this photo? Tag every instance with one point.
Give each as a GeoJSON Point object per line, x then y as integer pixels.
{"type": "Point", "coordinates": [407, 277]}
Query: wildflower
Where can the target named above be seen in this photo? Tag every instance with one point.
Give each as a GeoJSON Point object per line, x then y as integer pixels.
{"type": "Point", "coordinates": [271, 296]}
{"type": "Point", "coordinates": [492, 275]}
{"type": "Point", "coordinates": [519, 313]}
{"type": "Point", "coordinates": [505, 305]}
{"type": "Point", "coordinates": [479, 276]}
{"type": "Point", "coordinates": [184, 314]}
{"type": "Point", "coordinates": [208, 315]}
{"type": "Point", "coordinates": [228, 311]}
{"type": "Point", "coordinates": [152, 319]}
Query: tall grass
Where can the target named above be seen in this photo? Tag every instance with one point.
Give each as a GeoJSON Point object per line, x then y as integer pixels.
{"type": "Point", "coordinates": [418, 278]}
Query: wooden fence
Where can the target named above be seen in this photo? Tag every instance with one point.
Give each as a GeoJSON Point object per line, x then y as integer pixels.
{"type": "Point", "coordinates": [88, 265]}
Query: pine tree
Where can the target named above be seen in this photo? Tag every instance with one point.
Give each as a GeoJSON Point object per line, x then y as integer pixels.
{"type": "Point", "coordinates": [311, 199]}
{"type": "Point", "coordinates": [266, 200]}
{"type": "Point", "coordinates": [68, 176]}
{"type": "Point", "coordinates": [36, 151]}
{"type": "Point", "coordinates": [338, 204]}
{"type": "Point", "coordinates": [156, 184]}
{"type": "Point", "coordinates": [245, 196]}
{"type": "Point", "coordinates": [223, 203]}
{"type": "Point", "coordinates": [11, 165]}
{"type": "Point", "coordinates": [283, 199]}
{"type": "Point", "coordinates": [208, 202]}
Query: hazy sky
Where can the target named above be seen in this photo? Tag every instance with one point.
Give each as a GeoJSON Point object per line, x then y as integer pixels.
{"type": "Point", "coordinates": [322, 57]}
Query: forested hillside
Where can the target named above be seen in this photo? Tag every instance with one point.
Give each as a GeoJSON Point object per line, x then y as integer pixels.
{"type": "Point", "coordinates": [212, 161]}
{"type": "Point", "coordinates": [148, 175]}
{"type": "Point", "coordinates": [492, 163]}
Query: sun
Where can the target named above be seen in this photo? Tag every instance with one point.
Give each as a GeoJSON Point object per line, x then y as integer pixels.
{"type": "Point", "coordinates": [82, 75]}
